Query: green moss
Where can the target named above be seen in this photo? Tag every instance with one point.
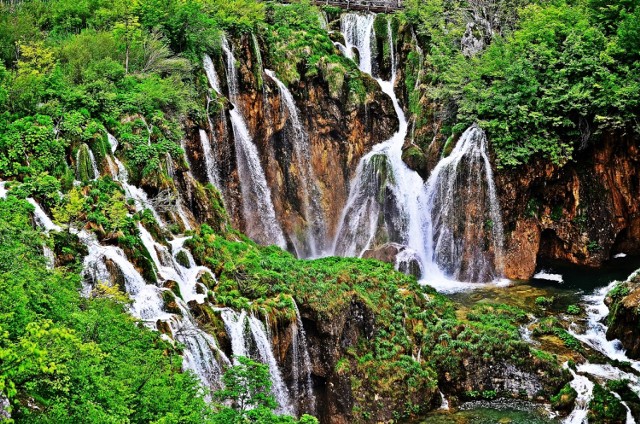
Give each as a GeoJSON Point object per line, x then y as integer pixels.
{"type": "Point", "coordinates": [605, 407]}
{"type": "Point", "coordinates": [183, 259]}
{"type": "Point", "coordinates": [84, 165]}
{"type": "Point", "coordinates": [564, 399]}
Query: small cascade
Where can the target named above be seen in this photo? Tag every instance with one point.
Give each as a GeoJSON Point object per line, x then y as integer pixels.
{"type": "Point", "coordinates": [444, 403]}
{"type": "Point", "coordinates": [584, 388]}
{"type": "Point", "coordinates": [201, 354]}
{"type": "Point", "coordinates": [212, 75]}
{"type": "Point", "coordinates": [463, 223]}
{"type": "Point", "coordinates": [358, 33]}
{"type": "Point", "coordinates": [86, 165]}
{"type": "Point", "coordinates": [386, 198]}
{"type": "Point", "coordinates": [3, 190]}
{"type": "Point", "coordinates": [249, 338]}
{"type": "Point", "coordinates": [209, 159]}
{"type": "Point", "coordinates": [45, 223]}
{"type": "Point", "coordinates": [138, 195]}
{"type": "Point", "coordinates": [42, 219]}
{"type": "Point", "coordinates": [323, 19]}
{"type": "Point", "coordinates": [595, 335]}
{"type": "Point", "coordinates": [169, 268]}
{"type": "Point", "coordinates": [301, 364]}
{"type": "Point", "coordinates": [113, 142]}
{"type": "Point", "coordinates": [259, 212]}
{"type": "Point", "coordinates": [311, 242]}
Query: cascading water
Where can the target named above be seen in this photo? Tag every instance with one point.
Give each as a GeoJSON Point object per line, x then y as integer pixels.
{"type": "Point", "coordinates": [202, 355]}
{"type": "Point", "coordinates": [249, 338]}
{"type": "Point", "coordinates": [259, 212]}
{"type": "Point", "coordinates": [358, 33]}
{"type": "Point", "coordinates": [584, 388]}
{"type": "Point", "coordinates": [301, 364]}
{"type": "Point", "coordinates": [386, 197]}
{"type": "Point", "coordinates": [310, 242]}
{"type": "Point", "coordinates": [209, 159]}
{"type": "Point", "coordinates": [452, 223]}
{"type": "Point", "coordinates": [463, 225]}
{"type": "Point", "coordinates": [138, 195]}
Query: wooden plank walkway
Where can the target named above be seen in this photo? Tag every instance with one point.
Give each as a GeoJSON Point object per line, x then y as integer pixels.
{"type": "Point", "coordinates": [377, 6]}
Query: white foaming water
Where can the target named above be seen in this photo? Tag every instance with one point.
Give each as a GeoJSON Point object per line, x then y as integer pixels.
{"type": "Point", "coordinates": [444, 403]}
{"type": "Point", "coordinates": [248, 331]}
{"type": "Point", "coordinates": [311, 242]}
{"type": "Point", "coordinates": [138, 195]}
{"type": "Point", "coordinates": [620, 255]}
{"type": "Point", "coordinates": [209, 159]}
{"type": "Point", "coordinates": [3, 190]}
{"type": "Point", "coordinates": [462, 211]}
{"type": "Point", "coordinates": [595, 335]}
{"type": "Point", "coordinates": [42, 219]}
{"type": "Point", "coordinates": [388, 201]}
{"type": "Point", "coordinates": [92, 159]}
{"type": "Point", "coordinates": [358, 32]}
{"type": "Point", "coordinates": [584, 388]}
{"type": "Point", "coordinates": [113, 142]}
{"type": "Point", "coordinates": [169, 269]}
{"type": "Point", "coordinates": [212, 75]}
{"type": "Point", "coordinates": [201, 354]}
{"type": "Point", "coordinates": [259, 212]}
{"type": "Point", "coordinates": [301, 363]}
{"type": "Point", "coordinates": [545, 275]}
{"type": "Point", "coordinates": [383, 187]}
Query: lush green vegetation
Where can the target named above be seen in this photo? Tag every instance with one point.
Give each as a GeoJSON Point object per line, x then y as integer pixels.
{"type": "Point", "coordinates": [555, 77]}
{"type": "Point", "coordinates": [69, 359]}
{"type": "Point", "coordinates": [248, 391]}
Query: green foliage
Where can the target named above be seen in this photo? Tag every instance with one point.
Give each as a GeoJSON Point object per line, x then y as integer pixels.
{"type": "Point", "coordinates": [247, 389]}
{"type": "Point", "coordinates": [619, 291]}
{"type": "Point", "coordinates": [559, 75]}
{"type": "Point", "coordinates": [565, 398]}
{"type": "Point", "coordinates": [605, 407]}
{"type": "Point", "coordinates": [76, 359]}
{"type": "Point", "coordinates": [544, 301]}
{"type": "Point", "coordinates": [574, 310]}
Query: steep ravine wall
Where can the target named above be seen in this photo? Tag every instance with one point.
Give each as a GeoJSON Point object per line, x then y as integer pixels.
{"type": "Point", "coordinates": [340, 132]}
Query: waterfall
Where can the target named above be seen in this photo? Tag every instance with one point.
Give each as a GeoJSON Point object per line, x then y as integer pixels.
{"type": "Point", "coordinates": [584, 387]}
{"type": "Point", "coordinates": [386, 198]}
{"type": "Point", "coordinates": [138, 195]}
{"type": "Point", "coordinates": [201, 354]}
{"type": "Point", "coordinates": [46, 224]}
{"type": "Point", "coordinates": [169, 268]}
{"type": "Point", "coordinates": [311, 242]}
{"type": "Point", "coordinates": [464, 225]}
{"type": "Point", "coordinates": [249, 338]}
{"type": "Point", "coordinates": [209, 159]}
{"type": "Point", "coordinates": [452, 223]}
{"type": "Point", "coordinates": [358, 32]}
{"type": "Point", "coordinates": [211, 73]}
{"type": "Point", "coordinates": [301, 363]}
{"type": "Point", "coordinates": [259, 213]}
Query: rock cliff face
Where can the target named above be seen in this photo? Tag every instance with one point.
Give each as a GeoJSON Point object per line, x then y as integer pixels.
{"type": "Point", "coordinates": [340, 131]}
{"type": "Point", "coordinates": [582, 213]}
{"type": "Point", "coordinates": [624, 316]}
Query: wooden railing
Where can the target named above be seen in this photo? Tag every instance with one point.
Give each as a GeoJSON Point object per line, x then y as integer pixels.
{"type": "Point", "coordinates": [377, 6]}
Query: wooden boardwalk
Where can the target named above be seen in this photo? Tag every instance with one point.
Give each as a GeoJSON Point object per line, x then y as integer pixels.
{"type": "Point", "coordinates": [377, 6]}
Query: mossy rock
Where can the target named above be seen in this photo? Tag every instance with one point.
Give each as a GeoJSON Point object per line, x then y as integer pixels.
{"type": "Point", "coordinates": [565, 399]}
{"type": "Point", "coordinates": [170, 304]}
{"type": "Point", "coordinates": [183, 259]}
{"type": "Point", "coordinates": [84, 164]}
{"type": "Point", "coordinates": [207, 280]}
{"type": "Point", "coordinates": [605, 407]}
{"type": "Point", "coordinates": [415, 159]}
{"type": "Point", "coordinates": [174, 287]}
